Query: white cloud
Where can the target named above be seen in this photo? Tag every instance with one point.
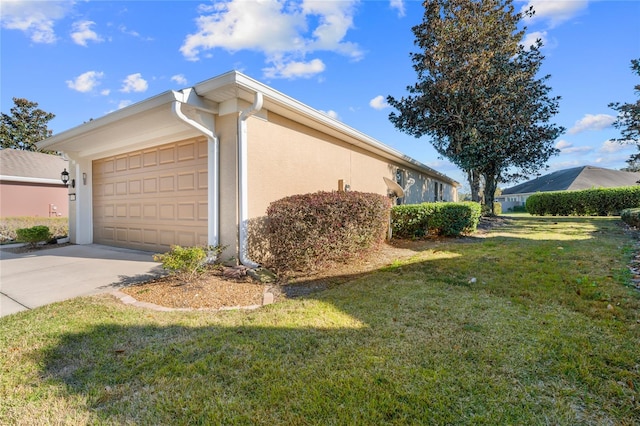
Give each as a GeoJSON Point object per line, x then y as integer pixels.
{"type": "Point", "coordinates": [179, 79]}
{"type": "Point", "coordinates": [35, 19]}
{"type": "Point", "coordinates": [378, 103]}
{"type": "Point", "coordinates": [331, 113]}
{"type": "Point", "coordinates": [530, 39]}
{"type": "Point", "coordinates": [123, 104]}
{"type": "Point", "coordinates": [612, 146]}
{"type": "Point", "coordinates": [105, 92]}
{"type": "Point", "coordinates": [134, 83]}
{"type": "Point", "coordinates": [398, 5]}
{"type": "Point", "coordinates": [294, 69]}
{"type": "Point", "coordinates": [276, 28]}
{"type": "Point", "coordinates": [592, 122]}
{"type": "Point", "coordinates": [556, 11]}
{"type": "Point", "coordinates": [566, 147]}
{"type": "Point", "coordinates": [82, 32]}
{"type": "Point", "coordinates": [86, 82]}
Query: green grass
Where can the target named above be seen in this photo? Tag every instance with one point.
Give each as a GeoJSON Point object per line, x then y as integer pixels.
{"type": "Point", "coordinates": [549, 333]}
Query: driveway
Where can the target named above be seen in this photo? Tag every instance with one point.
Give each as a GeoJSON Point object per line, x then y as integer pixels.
{"type": "Point", "coordinates": [29, 280]}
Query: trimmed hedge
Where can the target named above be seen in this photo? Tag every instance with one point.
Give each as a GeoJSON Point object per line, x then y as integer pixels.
{"type": "Point", "coordinates": [308, 231]}
{"type": "Point", "coordinates": [631, 217]}
{"type": "Point", "coordinates": [448, 219]}
{"type": "Point", "coordinates": [587, 202]}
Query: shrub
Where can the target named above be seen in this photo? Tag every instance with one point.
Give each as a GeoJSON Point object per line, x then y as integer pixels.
{"type": "Point", "coordinates": [34, 235]}
{"type": "Point", "coordinates": [308, 231]}
{"type": "Point", "coordinates": [59, 226]}
{"type": "Point", "coordinates": [518, 209]}
{"type": "Point", "coordinates": [497, 208]}
{"type": "Point", "coordinates": [592, 202]}
{"type": "Point", "coordinates": [448, 219]}
{"type": "Point", "coordinates": [186, 262]}
{"type": "Point", "coordinates": [631, 217]}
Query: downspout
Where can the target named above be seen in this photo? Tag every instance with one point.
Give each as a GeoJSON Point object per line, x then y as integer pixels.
{"type": "Point", "coordinates": [243, 197]}
{"type": "Point", "coordinates": [213, 155]}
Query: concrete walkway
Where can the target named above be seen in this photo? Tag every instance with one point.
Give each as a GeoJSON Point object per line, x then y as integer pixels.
{"type": "Point", "coordinates": [29, 280]}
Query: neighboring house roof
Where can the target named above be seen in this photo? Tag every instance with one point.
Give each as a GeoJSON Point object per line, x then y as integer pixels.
{"type": "Point", "coordinates": [135, 126]}
{"type": "Point", "coordinates": [584, 177]}
{"type": "Point", "coordinates": [28, 166]}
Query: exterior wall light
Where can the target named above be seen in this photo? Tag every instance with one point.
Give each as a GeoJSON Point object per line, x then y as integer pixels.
{"type": "Point", "coordinates": [64, 177]}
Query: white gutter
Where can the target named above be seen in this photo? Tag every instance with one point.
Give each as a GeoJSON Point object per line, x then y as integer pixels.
{"type": "Point", "coordinates": [243, 197]}
{"type": "Point", "coordinates": [189, 97]}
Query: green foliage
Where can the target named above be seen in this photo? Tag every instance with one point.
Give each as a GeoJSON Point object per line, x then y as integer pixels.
{"type": "Point", "coordinates": [308, 231]}
{"type": "Point", "coordinates": [588, 202]}
{"type": "Point", "coordinates": [26, 125]}
{"type": "Point", "coordinates": [59, 226]}
{"type": "Point", "coordinates": [34, 235]}
{"type": "Point", "coordinates": [478, 94]}
{"type": "Point", "coordinates": [448, 219]}
{"type": "Point", "coordinates": [518, 209]}
{"type": "Point", "coordinates": [628, 119]}
{"type": "Point", "coordinates": [186, 262]}
{"type": "Point", "coordinates": [631, 217]}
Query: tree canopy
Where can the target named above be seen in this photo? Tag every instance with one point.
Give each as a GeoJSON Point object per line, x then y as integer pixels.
{"type": "Point", "coordinates": [628, 121]}
{"type": "Point", "coordinates": [26, 125]}
{"type": "Point", "coordinates": [477, 94]}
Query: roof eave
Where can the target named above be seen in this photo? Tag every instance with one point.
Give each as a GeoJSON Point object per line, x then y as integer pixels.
{"type": "Point", "coordinates": [110, 118]}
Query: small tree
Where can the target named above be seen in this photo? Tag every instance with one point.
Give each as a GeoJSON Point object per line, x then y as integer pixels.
{"type": "Point", "coordinates": [628, 121]}
{"type": "Point", "coordinates": [26, 125]}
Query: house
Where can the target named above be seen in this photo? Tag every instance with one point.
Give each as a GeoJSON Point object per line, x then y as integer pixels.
{"type": "Point", "coordinates": [30, 184]}
{"type": "Point", "coordinates": [201, 165]}
{"type": "Point", "coordinates": [576, 178]}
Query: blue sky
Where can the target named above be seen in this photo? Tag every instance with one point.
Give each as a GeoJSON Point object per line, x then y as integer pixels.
{"type": "Point", "coordinates": [83, 59]}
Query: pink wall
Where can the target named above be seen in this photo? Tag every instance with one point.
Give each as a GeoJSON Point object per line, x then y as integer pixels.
{"type": "Point", "coordinates": [30, 199]}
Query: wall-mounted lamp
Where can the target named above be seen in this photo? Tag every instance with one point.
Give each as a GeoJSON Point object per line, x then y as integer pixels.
{"type": "Point", "coordinates": [64, 177]}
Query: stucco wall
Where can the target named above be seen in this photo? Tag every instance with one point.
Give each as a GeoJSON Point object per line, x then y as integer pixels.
{"type": "Point", "coordinates": [28, 199]}
{"type": "Point", "coordinates": [286, 158]}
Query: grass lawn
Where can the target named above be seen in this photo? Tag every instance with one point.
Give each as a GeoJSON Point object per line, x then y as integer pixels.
{"type": "Point", "coordinates": [547, 333]}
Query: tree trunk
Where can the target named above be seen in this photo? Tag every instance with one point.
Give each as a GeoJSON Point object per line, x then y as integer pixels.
{"type": "Point", "coordinates": [474, 183]}
{"type": "Point", "coordinates": [490, 186]}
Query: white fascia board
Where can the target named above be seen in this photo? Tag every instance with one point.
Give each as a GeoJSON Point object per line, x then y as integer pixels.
{"type": "Point", "coordinates": [24, 179]}
{"type": "Point", "coordinates": [139, 107]}
{"type": "Point", "coordinates": [247, 86]}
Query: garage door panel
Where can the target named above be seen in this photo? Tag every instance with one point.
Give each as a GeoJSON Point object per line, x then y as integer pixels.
{"type": "Point", "coordinates": [152, 199]}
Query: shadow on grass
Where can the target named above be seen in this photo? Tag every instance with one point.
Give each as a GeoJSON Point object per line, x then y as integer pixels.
{"type": "Point", "coordinates": [413, 343]}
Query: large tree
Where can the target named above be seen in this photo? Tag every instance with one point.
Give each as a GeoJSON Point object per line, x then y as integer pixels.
{"type": "Point", "coordinates": [26, 125]}
{"type": "Point", "coordinates": [628, 121]}
{"type": "Point", "coordinates": [477, 94]}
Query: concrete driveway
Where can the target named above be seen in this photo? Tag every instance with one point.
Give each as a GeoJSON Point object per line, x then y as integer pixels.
{"type": "Point", "coordinates": [29, 280]}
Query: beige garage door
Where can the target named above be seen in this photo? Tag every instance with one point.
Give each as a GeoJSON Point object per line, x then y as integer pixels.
{"type": "Point", "coordinates": [152, 199]}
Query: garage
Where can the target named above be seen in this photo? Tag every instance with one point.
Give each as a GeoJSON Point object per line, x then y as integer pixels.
{"type": "Point", "coordinates": [152, 199]}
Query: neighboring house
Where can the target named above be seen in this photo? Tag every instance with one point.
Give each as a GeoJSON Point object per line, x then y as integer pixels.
{"type": "Point", "coordinates": [30, 184]}
{"type": "Point", "coordinates": [584, 177]}
{"type": "Point", "coordinates": [201, 166]}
